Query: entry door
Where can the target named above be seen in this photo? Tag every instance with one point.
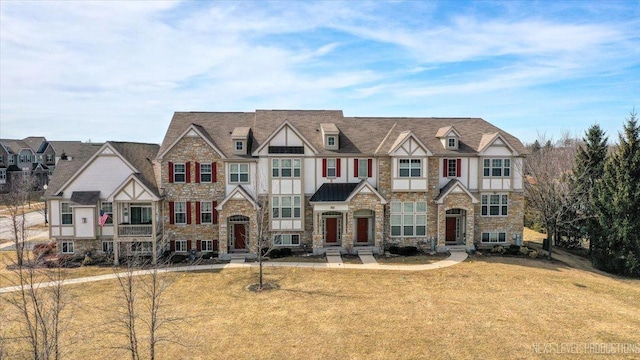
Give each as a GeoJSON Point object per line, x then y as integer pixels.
{"type": "Point", "coordinates": [451, 230]}
{"type": "Point", "coordinates": [331, 230]}
{"type": "Point", "coordinates": [239, 236]}
{"type": "Point", "coordinates": [362, 230]}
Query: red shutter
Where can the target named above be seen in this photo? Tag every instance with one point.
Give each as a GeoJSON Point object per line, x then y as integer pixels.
{"type": "Point", "coordinates": [188, 212]}
{"type": "Point", "coordinates": [198, 214]}
{"type": "Point", "coordinates": [458, 167]}
{"type": "Point", "coordinates": [370, 167]}
{"type": "Point", "coordinates": [188, 170]}
{"type": "Point", "coordinates": [214, 172]}
{"type": "Point", "coordinates": [199, 245]}
{"type": "Point", "coordinates": [215, 245]}
{"type": "Point", "coordinates": [444, 167]}
{"type": "Point", "coordinates": [215, 212]}
{"type": "Point", "coordinates": [355, 167]}
{"type": "Point", "coordinates": [197, 172]}
{"type": "Point", "coordinates": [324, 167]}
{"type": "Point", "coordinates": [171, 213]}
{"type": "Point", "coordinates": [170, 172]}
{"type": "Point", "coordinates": [338, 167]}
{"type": "Point", "coordinates": [188, 245]}
{"type": "Point", "coordinates": [172, 245]}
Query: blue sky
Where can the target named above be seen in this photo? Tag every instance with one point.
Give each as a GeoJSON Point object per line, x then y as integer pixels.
{"type": "Point", "coordinates": [118, 70]}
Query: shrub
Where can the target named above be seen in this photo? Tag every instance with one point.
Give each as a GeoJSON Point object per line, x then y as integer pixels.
{"type": "Point", "coordinates": [285, 252]}
{"type": "Point", "coordinates": [407, 250]}
{"type": "Point", "coordinates": [498, 249]}
{"type": "Point", "coordinates": [524, 250]}
{"type": "Point", "coordinates": [393, 249]}
{"type": "Point", "coordinates": [178, 258]}
{"type": "Point", "coordinates": [275, 253]}
{"type": "Point", "coordinates": [533, 254]}
{"type": "Point", "coordinates": [512, 250]}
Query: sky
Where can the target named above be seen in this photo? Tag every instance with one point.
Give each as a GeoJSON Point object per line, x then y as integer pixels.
{"type": "Point", "coordinates": [118, 70]}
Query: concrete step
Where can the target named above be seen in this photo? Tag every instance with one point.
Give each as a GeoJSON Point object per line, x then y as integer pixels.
{"type": "Point", "coordinates": [238, 256]}
{"type": "Point", "coordinates": [457, 248]}
{"type": "Point", "coordinates": [332, 252]}
{"type": "Point", "coordinates": [365, 252]}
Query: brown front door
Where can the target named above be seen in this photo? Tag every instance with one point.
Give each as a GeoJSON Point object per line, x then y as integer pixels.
{"type": "Point", "coordinates": [362, 230]}
{"type": "Point", "coordinates": [451, 230]}
{"type": "Point", "coordinates": [239, 235]}
{"type": "Point", "coordinates": [331, 230]}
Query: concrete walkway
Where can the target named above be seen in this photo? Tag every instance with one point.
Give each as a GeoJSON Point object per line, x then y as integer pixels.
{"type": "Point", "coordinates": [455, 258]}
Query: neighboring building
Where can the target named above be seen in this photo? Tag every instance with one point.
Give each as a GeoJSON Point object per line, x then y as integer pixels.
{"type": "Point", "coordinates": [115, 179]}
{"type": "Point", "coordinates": [315, 179]}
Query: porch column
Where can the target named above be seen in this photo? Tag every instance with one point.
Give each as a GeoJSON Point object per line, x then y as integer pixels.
{"type": "Point", "coordinates": [114, 218]}
{"type": "Point", "coordinates": [154, 236]}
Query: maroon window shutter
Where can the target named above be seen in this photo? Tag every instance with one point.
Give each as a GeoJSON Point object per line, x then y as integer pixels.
{"type": "Point", "coordinates": [172, 245]}
{"type": "Point", "coordinates": [170, 172]}
{"type": "Point", "coordinates": [188, 245]}
{"type": "Point", "coordinates": [188, 212]}
{"type": "Point", "coordinates": [324, 167]}
{"type": "Point", "coordinates": [172, 215]}
{"type": "Point", "coordinates": [458, 167]}
{"type": "Point", "coordinates": [214, 172]}
{"type": "Point", "coordinates": [199, 245]}
{"type": "Point", "coordinates": [188, 170]}
{"type": "Point", "coordinates": [215, 212]}
{"type": "Point", "coordinates": [198, 214]}
{"type": "Point", "coordinates": [355, 167]}
{"type": "Point", "coordinates": [445, 166]}
{"type": "Point", "coordinates": [338, 167]}
{"type": "Point", "coordinates": [197, 172]}
{"type": "Point", "coordinates": [215, 245]}
{"type": "Point", "coordinates": [370, 167]}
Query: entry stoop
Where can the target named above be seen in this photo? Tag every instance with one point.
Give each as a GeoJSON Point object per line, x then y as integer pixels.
{"type": "Point", "coordinates": [365, 252]}
{"type": "Point", "coordinates": [366, 256]}
{"type": "Point", "coordinates": [238, 258]}
{"type": "Point", "coordinates": [333, 256]}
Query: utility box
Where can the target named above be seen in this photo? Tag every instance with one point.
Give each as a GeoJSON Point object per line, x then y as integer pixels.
{"type": "Point", "coordinates": [546, 244]}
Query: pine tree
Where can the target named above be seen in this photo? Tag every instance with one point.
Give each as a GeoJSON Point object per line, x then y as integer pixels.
{"type": "Point", "coordinates": [587, 171]}
{"type": "Point", "coordinates": [617, 207]}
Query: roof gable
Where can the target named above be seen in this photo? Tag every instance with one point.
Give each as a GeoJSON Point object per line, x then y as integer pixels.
{"type": "Point", "coordinates": [447, 131]}
{"type": "Point", "coordinates": [238, 193]}
{"type": "Point", "coordinates": [495, 139]}
{"type": "Point", "coordinates": [452, 187]}
{"type": "Point", "coordinates": [408, 144]}
{"type": "Point", "coordinates": [133, 189]}
{"type": "Point", "coordinates": [286, 125]}
{"type": "Point", "coordinates": [193, 130]}
{"type": "Point", "coordinates": [365, 188]}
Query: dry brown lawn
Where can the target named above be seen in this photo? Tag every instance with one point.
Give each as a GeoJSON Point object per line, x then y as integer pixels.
{"type": "Point", "coordinates": [411, 260]}
{"type": "Point", "coordinates": [486, 307]}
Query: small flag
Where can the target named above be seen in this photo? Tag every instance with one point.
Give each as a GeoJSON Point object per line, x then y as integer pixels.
{"type": "Point", "coordinates": [103, 218]}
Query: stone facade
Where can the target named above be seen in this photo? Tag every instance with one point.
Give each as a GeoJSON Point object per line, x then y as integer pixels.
{"type": "Point", "coordinates": [364, 202]}
{"type": "Point", "coordinates": [234, 208]}
{"type": "Point", "coordinates": [512, 224]}
{"type": "Point", "coordinates": [457, 201]}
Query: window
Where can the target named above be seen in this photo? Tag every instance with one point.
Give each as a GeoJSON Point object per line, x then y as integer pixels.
{"type": "Point", "coordinates": [497, 167]}
{"type": "Point", "coordinates": [107, 208]}
{"type": "Point", "coordinates": [452, 142]}
{"type": "Point", "coordinates": [49, 158]}
{"type": "Point", "coordinates": [3, 176]}
{"type": "Point", "coordinates": [239, 173]}
{"type": "Point", "coordinates": [331, 167]}
{"type": "Point", "coordinates": [66, 214]}
{"type": "Point", "coordinates": [179, 173]}
{"type": "Point", "coordinates": [286, 207]}
{"type": "Point", "coordinates": [206, 212]}
{"type": "Point", "coordinates": [67, 247]}
{"type": "Point", "coordinates": [181, 246]}
{"type": "Point", "coordinates": [331, 141]}
{"type": "Point", "coordinates": [206, 245]}
{"type": "Point", "coordinates": [408, 218]}
{"type": "Point", "coordinates": [494, 237]}
{"type": "Point", "coordinates": [239, 145]}
{"type": "Point", "coordinates": [286, 240]}
{"type": "Point", "coordinates": [364, 168]}
{"type": "Point", "coordinates": [141, 247]}
{"type": "Point", "coordinates": [452, 167]}
{"type": "Point", "coordinates": [495, 205]}
{"type": "Point", "coordinates": [205, 173]}
{"type": "Point", "coordinates": [11, 159]}
{"type": "Point", "coordinates": [410, 167]}
{"type": "Point", "coordinates": [180, 212]}
{"type": "Point", "coordinates": [107, 247]}
{"type": "Point", "coordinates": [1, 158]}
{"type": "Point", "coordinates": [285, 168]}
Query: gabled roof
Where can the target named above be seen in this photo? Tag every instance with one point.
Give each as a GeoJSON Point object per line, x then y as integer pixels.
{"type": "Point", "coordinates": [34, 142]}
{"type": "Point", "coordinates": [140, 155]}
{"type": "Point", "coordinates": [488, 139]}
{"type": "Point", "coordinates": [333, 192]}
{"type": "Point", "coordinates": [198, 130]}
{"type": "Point", "coordinates": [14, 146]}
{"type": "Point", "coordinates": [452, 185]}
{"type": "Point", "coordinates": [69, 148]}
{"type": "Point", "coordinates": [445, 131]}
{"type": "Point", "coordinates": [278, 129]}
{"type": "Point", "coordinates": [365, 187]}
{"type": "Point", "coordinates": [403, 137]}
{"type": "Point", "coordinates": [238, 192]}
{"type": "Point", "coordinates": [65, 169]}
{"type": "Point", "coordinates": [141, 180]}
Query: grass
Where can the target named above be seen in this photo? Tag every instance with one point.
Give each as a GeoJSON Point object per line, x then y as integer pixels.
{"type": "Point", "coordinates": [485, 307]}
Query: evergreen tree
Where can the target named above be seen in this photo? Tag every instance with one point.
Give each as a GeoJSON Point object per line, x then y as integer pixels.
{"type": "Point", "coordinates": [617, 206]}
{"type": "Point", "coordinates": [587, 171]}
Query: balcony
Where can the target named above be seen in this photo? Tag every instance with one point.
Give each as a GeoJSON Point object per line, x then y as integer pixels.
{"type": "Point", "coordinates": [126, 230]}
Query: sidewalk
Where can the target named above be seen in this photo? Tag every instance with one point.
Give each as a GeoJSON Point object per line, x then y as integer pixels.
{"type": "Point", "coordinates": [455, 258]}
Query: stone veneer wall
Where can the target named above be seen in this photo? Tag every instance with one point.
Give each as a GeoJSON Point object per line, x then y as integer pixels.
{"type": "Point", "coordinates": [238, 207]}
{"type": "Point", "coordinates": [192, 149]}
{"type": "Point", "coordinates": [457, 201]}
{"type": "Point", "coordinates": [364, 202]}
{"type": "Point", "coordinates": [512, 224]}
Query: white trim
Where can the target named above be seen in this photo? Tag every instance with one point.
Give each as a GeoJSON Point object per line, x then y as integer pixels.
{"type": "Point", "coordinates": [190, 128]}
{"type": "Point", "coordinates": [277, 130]}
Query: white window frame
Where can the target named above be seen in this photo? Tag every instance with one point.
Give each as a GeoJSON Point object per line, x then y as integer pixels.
{"type": "Point", "coordinates": [282, 166]}
{"type": "Point", "coordinates": [290, 204]}
{"type": "Point", "coordinates": [67, 247]}
{"type": "Point", "coordinates": [286, 240]}
{"type": "Point", "coordinates": [49, 158]}
{"type": "Point", "coordinates": [331, 141]}
{"type": "Point", "coordinates": [451, 142]}
{"type": "Point", "coordinates": [239, 170]}
{"type": "Point", "coordinates": [66, 209]}
{"type": "Point", "coordinates": [181, 246]}
{"type": "Point", "coordinates": [238, 148]}
{"type": "Point", "coordinates": [206, 245]}
{"type": "Point", "coordinates": [107, 246]}
{"type": "Point", "coordinates": [182, 172]}
{"type": "Point", "coordinates": [180, 207]}
{"type": "Point", "coordinates": [494, 237]}
{"type": "Point", "coordinates": [12, 160]}
{"type": "Point", "coordinates": [452, 172]}
{"type": "Point", "coordinates": [409, 217]}
{"type": "Point", "coordinates": [107, 207]}
{"type": "Point", "coordinates": [409, 166]}
{"type": "Point", "coordinates": [3, 176]}
{"type": "Point", "coordinates": [332, 168]}
{"type": "Point", "coordinates": [206, 170]}
{"type": "Point", "coordinates": [204, 211]}
{"type": "Point", "coordinates": [363, 168]}
{"type": "Point", "coordinates": [496, 167]}
{"type": "Point", "coordinates": [499, 201]}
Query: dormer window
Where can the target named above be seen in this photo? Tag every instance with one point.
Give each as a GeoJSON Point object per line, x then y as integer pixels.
{"type": "Point", "coordinates": [452, 143]}
{"type": "Point", "coordinates": [239, 146]}
{"type": "Point", "coordinates": [449, 137]}
{"type": "Point", "coordinates": [240, 138]}
{"type": "Point", "coordinates": [330, 133]}
{"type": "Point", "coordinates": [331, 141]}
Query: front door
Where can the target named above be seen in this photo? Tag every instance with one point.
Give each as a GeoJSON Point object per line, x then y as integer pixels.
{"type": "Point", "coordinates": [331, 230]}
{"type": "Point", "coordinates": [239, 236]}
{"type": "Point", "coordinates": [451, 230]}
{"type": "Point", "coordinates": [362, 230]}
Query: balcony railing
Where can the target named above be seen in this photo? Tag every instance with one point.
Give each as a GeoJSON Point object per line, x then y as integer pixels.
{"type": "Point", "coordinates": [135, 230]}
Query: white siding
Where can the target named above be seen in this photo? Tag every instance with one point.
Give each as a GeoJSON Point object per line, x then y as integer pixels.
{"type": "Point", "coordinates": [516, 170]}
{"type": "Point", "coordinates": [105, 174]}
{"type": "Point", "coordinates": [496, 150]}
{"type": "Point", "coordinates": [54, 214]}
{"type": "Point", "coordinates": [354, 179]}
{"type": "Point", "coordinates": [250, 187]}
{"type": "Point", "coordinates": [133, 191]}
{"type": "Point", "coordinates": [84, 222]}
{"type": "Point", "coordinates": [473, 173]}
{"type": "Point", "coordinates": [409, 184]}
